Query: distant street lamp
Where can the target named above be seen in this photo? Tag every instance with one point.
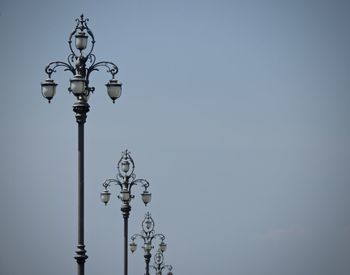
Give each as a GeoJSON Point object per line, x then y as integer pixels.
{"type": "Point", "coordinates": [159, 263]}
{"type": "Point", "coordinates": [126, 179]}
{"type": "Point", "coordinates": [147, 235]}
{"type": "Point", "coordinates": [81, 64]}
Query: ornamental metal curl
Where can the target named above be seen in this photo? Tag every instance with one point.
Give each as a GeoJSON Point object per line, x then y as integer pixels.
{"type": "Point", "coordinates": [147, 233]}
{"type": "Point", "coordinates": [79, 64]}
{"type": "Point", "coordinates": [126, 179]}
{"type": "Point", "coordinates": [82, 26]}
{"type": "Point", "coordinates": [126, 159]}
{"type": "Point", "coordinates": [111, 67]}
{"type": "Point", "coordinates": [159, 265]}
{"type": "Point", "coordinates": [51, 67]}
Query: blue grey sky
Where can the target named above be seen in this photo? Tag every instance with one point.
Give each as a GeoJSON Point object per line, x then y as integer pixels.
{"type": "Point", "coordinates": [237, 112]}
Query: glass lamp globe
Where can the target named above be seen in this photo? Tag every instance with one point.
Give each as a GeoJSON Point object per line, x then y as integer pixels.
{"type": "Point", "coordinates": [147, 247]}
{"type": "Point", "coordinates": [125, 196]}
{"type": "Point", "coordinates": [133, 247]}
{"type": "Point", "coordinates": [125, 166]}
{"type": "Point", "coordinates": [77, 85]}
{"type": "Point", "coordinates": [146, 197]}
{"type": "Point", "coordinates": [81, 40]}
{"type": "Point", "coordinates": [163, 246]}
{"type": "Point", "coordinates": [114, 89]}
{"type": "Point", "coordinates": [105, 196]}
{"type": "Point", "coordinates": [48, 89]}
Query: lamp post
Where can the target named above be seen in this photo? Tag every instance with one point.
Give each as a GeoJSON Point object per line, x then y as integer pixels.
{"type": "Point", "coordinates": [81, 63]}
{"type": "Point", "coordinates": [159, 263]}
{"type": "Point", "coordinates": [147, 235]}
{"type": "Point", "coordinates": [126, 179]}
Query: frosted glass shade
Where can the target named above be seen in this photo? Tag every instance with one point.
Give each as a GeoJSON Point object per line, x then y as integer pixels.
{"type": "Point", "coordinates": [105, 196]}
{"type": "Point", "coordinates": [125, 166]}
{"type": "Point", "coordinates": [133, 247]}
{"type": "Point", "coordinates": [147, 247]}
{"type": "Point", "coordinates": [162, 246]}
{"type": "Point", "coordinates": [114, 89]}
{"type": "Point", "coordinates": [125, 195]}
{"type": "Point", "coordinates": [81, 40]}
{"type": "Point", "coordinates": [146, 197]}
{"type": "Point", "coordinates": [48, 89]}
{"type": "Point", "coordinates": [77, 85]}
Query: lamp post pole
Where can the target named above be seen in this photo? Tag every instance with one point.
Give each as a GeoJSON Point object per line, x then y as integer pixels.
{"type": "Point", "coordinates": [81, 64]}
{"type": "Point", "coordinates": [126, 179]}
{"type": "Point", "coordinates": [148, 235]}
{"type": "Point", "coordinates": [81, 108]}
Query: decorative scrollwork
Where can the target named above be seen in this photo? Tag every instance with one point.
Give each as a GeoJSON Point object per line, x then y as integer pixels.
{"type": "Point", "coordinates": [83, 63]}
{"type": "Point", "coordinates": [107, 183]}
{"type": "Point", "coordinates": [147, 235]}
{"type": "Point", "coordinates": [147, 232]}
{"type": "Point", "coordinates": [144, 183]}
{"type": "Point", "coordinates": [51, 67]}
{"type": "Point", "coordinates": [159, 265]}
{"type": "Point", "coordinates": [111, 68]}
{"type": "Point", "coordinates": [126, 161]}
{"type": "Point", "coordinates": [126, 180]}
{"type": "Point", "coordinates": [148, 224]}
{"type": "Point", "coordinates": [82, 26]}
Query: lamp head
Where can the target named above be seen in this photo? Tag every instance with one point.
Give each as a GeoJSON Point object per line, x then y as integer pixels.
{"type": "Point", "coordinates": [162, 246]}
{"type": "Point", "coordinates": [146, 197]}
{"type": "Point", "coordinates": [81, 40]}
{"type": "Point", "coordinates": [133, 247]}
{"type": "Point", "coordinates": [105, 196]}
{"type": "Point", "coordinates": [48, 89]}
{"type": "Point", "coordinates": [114, 89]}
{"type": "Point", "coordinates": [77, 85]}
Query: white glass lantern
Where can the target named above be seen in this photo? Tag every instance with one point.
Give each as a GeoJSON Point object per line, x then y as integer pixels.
{"type": "Point", "coordinates": [125, 166]}
{"type": "Point", "coordinates": [114, 89]}
{"type": "Point", "coordinates": [133, 247]}
{"type": "Point", "coordinates": [81, 40]}
{"type": "Point", "coordinates": [105, 196]}
{"type": "Point", "coordinates": [147, 247]}
{"type": "Point", "coordinates": [77, 86]}
{"type": "Point", "coordinates": [146, 197]}
{"type": "Point", "coordinates": [48, 89]}
{"type": "Point", "coordinates": [125, 195]}
{"type": "Point", "coordinates": [162, 246]}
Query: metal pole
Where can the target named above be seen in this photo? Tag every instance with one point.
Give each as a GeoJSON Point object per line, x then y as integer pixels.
{"type": "Point", "coordinates": [81, 108]}
{"type": "Point", "coordinates": [147, 260]}
{"type": "Point", "coordinates": [126, 210]}
{"type": "Point", "coordinates": [125, 246]}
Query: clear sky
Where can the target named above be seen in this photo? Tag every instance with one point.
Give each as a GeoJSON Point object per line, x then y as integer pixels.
{"type": "Point", "coordinates": [237, 112]}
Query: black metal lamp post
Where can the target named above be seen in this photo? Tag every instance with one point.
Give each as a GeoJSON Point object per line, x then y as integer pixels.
{"type": "Point", "coordinates": [81, 64]}
{"type": "Point", "coordinates": [159, 265]}
{"type": "Point", "coordinates": [126, 179]}
{"type": "Point", "coordinates": [147, 235]}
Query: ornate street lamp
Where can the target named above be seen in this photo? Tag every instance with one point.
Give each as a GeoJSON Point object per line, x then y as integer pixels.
{"type": "Point", "coordinates": [126, 179]}
{"type": "Point", "coordinates": [147, 235]}
{"type": "Point", "coordinates": [159, 265]}
{"type": "Point", "coordinates": [81, 64]}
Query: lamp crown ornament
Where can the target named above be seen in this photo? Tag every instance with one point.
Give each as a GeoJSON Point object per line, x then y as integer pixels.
{"type": "Point", "coordinates": [81, 64]}
{"type": "Point", "coordinates": [126, 179]}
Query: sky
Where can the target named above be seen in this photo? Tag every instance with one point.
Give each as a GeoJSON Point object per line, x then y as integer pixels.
{"type": "Point", "coordinates": [236, 112]}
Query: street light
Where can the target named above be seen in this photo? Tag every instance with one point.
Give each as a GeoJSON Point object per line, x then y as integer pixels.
{"type": "Point", "coordinates": [159, 263]}
{"type": "Point", "coordinates": [147, 235]}
{"type": "Point", "coordinates": [126, 179]}
{"type": "Point", "coordinates": [81, 64]}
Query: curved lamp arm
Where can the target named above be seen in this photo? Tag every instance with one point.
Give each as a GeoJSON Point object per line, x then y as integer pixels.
{"type": "Point", "coordinates": [51, 67]}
